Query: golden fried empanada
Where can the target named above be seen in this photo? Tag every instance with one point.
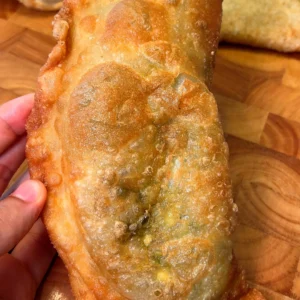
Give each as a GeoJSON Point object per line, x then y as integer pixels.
{"type": "Point", "coordinates": [273, 24]}
{"type": "Point", "coordinates": [125, 135]}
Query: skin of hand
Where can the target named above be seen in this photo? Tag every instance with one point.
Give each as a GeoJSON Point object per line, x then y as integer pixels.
{"type": "Point", "coordinates": [25, 250]}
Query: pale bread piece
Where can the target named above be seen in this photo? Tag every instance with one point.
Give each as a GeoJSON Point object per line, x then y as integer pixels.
{"type": "Point", "coordinates": [45, 5]}
{"type": "Point", "coordinates": [273, 24]}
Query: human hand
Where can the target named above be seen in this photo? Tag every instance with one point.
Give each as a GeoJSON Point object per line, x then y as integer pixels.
{"type": "Point", "coordinates": [22, 270]}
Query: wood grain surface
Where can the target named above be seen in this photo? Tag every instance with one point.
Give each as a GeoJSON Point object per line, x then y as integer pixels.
{"type": "Point", "coordinates": [258, 93]}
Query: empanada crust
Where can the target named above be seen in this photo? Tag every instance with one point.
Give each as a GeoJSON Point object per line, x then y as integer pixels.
{"type": "Point", "coordinates": [125, 135]}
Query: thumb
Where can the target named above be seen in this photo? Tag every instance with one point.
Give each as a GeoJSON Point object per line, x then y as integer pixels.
{"type": "Point", "coordinates": [19, 211]}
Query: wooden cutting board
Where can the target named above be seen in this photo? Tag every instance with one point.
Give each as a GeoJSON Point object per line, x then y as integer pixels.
{"type": "Point", "coordinates": [258, 93]}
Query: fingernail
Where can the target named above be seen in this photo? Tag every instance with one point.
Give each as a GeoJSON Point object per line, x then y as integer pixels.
{"type": "Point", "coordinates": [27, 191]}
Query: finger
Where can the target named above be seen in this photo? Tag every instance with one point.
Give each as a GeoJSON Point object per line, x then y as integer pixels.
{"type": "Point", "coordinates": [16, 281]}
{"type": "Point", "coordinates": [35, 251]}
{"type": "Point", "coordinates": [19, 211]}
{"type": "Point", "coordinates": [23, 177]}
{"type": "Point", "coordinates": [13, 116]}
{"type": "Point", "coordinates": [10, 161]}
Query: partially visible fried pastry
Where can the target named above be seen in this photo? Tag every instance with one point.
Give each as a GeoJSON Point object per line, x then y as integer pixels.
{"type": "Point", "coordinates": [125, 135]}
{"type": "Point", "coordinates": [45, 5]}
{"type": "Point", "coordinates": [269, 24]}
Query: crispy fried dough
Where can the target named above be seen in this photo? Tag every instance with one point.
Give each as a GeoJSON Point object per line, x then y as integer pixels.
{"type": "Point", "coordinates": [269, 24]}
{"type": "Point", "coordinates": [125, 134]}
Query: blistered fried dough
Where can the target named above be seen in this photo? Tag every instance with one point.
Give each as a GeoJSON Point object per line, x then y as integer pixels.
{"type": "Point", "coordinates": [271, 24]}
{"type": "Point", "coordinates": [126, 137]}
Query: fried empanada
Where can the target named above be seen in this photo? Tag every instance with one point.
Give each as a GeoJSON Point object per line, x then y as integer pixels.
{"type": "Point", "coordinates": [269, 24]}
{"type": "Point", "coordinates": [126, 137]}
